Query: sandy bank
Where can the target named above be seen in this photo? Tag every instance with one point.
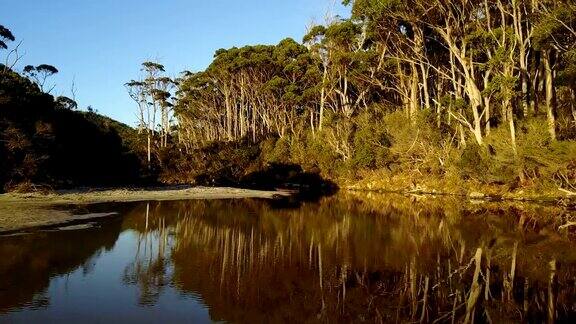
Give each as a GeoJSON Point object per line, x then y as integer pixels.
{"type": "Point", "coordinates": [20, 211]}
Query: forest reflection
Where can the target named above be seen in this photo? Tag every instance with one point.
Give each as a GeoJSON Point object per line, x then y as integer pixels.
{"type": "Point", "coordinates": [356, 258]}
{"type": "Point", "coordinates": [348, 258]}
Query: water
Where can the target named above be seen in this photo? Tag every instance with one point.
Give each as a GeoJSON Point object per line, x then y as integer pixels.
{"type": "Point", "coordinates": [348, 258]}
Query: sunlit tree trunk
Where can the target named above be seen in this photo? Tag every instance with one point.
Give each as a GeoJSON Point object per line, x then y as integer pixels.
{"type": "Point", "coordinates": [474, 94]}
{"type": "Point", "coordinates": [550, 95]}
{"type": "Point", "coordinates": [420, 50]}
{"type": "Point", "coordinates": [487, 99]}
{"type": "Point", "coordinates": [522, 41]}
{"type": "Point", "coordinates": [413, 91]}
{"type": "Point", "coordinates": [149, 149]}
{"type": "Point", "coordinates": [573, 103]}
{"type": "Point", "coordinates": [323, 97]}
{"type": "Point", "coordinates": [536, 73]}
{"type": "Point", "coordinates": [228, 114]}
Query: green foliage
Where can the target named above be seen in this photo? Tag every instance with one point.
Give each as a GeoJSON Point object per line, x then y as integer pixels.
{"type": "Point", "coordinates": [276, 150]}
{"type": "Point", "coordinates": [315, 153]}
{"type": "Point", "coordinates": [551, 30]}
{"type": "Point", "coordinates": [473, 164]}
{"type": "Point", "coordinates": [314, 34]}
{"type": "Point", "coordinates": [371, 142]}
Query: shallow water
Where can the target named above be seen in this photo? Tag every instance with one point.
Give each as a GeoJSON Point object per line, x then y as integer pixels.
{"type": "Point", "coordinates": [348, 258]}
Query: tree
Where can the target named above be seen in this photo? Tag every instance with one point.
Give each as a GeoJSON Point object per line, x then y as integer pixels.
{"type": "Point", "coordinates": [554, 37]}
{"type": "Point", "coordinates": [5, 36]}
{"type": "Point", "coordinates": [154, 98]}
{"type": "Point", "coordinates": [12, 57]}
{"type": "Point", "coordinates": [39, 74]}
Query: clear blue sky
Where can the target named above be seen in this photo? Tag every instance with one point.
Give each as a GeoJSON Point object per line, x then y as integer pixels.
{"type": "Point", "coordinates": [100, 43]}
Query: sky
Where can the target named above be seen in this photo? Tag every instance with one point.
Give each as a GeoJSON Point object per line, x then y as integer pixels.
{"type": "Point", "coordinates": [99, 44]}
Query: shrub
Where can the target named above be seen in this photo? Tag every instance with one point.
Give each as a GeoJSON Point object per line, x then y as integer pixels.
{"type": "Point", "coordinates": [371, 142]}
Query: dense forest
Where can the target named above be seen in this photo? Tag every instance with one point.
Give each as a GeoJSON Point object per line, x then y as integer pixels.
{"type": "Point", "coordinates": [404, 94]}
{"type": "Point", "coordinates": [467, 95]}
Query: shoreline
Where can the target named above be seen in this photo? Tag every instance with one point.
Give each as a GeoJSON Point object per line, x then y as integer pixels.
{"type": "Point", "coordinates": [408, 183]}
{"type": "Point", "coordinates": [473, 196]}
{"type": "Point", "coordinates": [101, 195]}
{"type": "Point", "coordinates": [20, 212]}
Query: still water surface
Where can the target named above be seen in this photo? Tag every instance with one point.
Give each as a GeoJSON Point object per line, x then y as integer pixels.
{"type": "Point", "coordinates": [362, 258]}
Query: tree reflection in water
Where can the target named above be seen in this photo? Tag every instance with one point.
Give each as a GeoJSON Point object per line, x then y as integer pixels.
{"type": "Point", "coordinates": [150, 269]}
{"type": "Point", "coordinates": [347, 258]}
{"type": "Point", "coordinates": [356, 258]}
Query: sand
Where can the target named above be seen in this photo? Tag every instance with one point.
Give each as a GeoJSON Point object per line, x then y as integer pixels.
{"type": "Point", "coordinates": [19, 211]}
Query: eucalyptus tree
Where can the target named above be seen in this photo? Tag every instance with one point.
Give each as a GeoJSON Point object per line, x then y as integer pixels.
{"type": "Point", "coordinates": [161, 95]}
{"type": "Point", "coordinates": [136, 91]}
{"type": "Point", "coordinates": [40, 74]}
{"type": "Point", "coordinates": [249, 91]}
{"type": "Point", "coordinates": [555, 38]}
{"type": "Point", "coordinates": [481, 47]}
{"type": "Point", "coordinates": [398, 32]}
{"type": "Point", "coordinates": [153, 95]}
{"type": "Point", "coordinates": [473, 64]}
{"type": "Point", "coordinates": [196, 97]}
{"type": "Point", "coordinates": [5, 37]}
{"type": "Point", "coordinates": [314, 42]}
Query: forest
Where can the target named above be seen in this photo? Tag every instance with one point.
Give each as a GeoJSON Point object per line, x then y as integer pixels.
{"type": "Point", "coordinates": [434, 96]}
{"type": "Point", "coordinates": [403, 95]}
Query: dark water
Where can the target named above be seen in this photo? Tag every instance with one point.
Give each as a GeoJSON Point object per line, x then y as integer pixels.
{"type": "Point", "coordinates": [344, 259]}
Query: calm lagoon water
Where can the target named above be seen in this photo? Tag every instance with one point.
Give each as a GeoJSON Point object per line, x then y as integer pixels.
{"type": "Point", "coordinates": [347, 258]}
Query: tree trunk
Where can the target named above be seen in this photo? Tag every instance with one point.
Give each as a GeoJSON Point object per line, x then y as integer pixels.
{"type": "Point", "coordinates": [520, 32]}
{"type": "Point", "coordinates": [149, 150]}
{"type": "Point", "coordinates": [549, 86]}
{"type": "Point", "coordinates": [511, 125]}
{"type": "Point", "coordinates": [420, 50]}
{"type": "Point", "coordinates": [254, 123]}
{"type": "Point", "coordinates": [525, 92]}
{"type": "Point", "coordinates": [534, 104]}
{"type": "Point", "coordinates": [413, 92]}
{"type": "Point", "coordinates": [322, 98]}
{"type": "Point", "coordinates": [487, 103]}
{"type": "Point", "coordinates": [438, 104]}
{"type": "Point", "coordinates": [228, 114]}
{"type": "Point", "coordinates": [573, 103]}
{"type": "Point", "coordinates": [476, 103]}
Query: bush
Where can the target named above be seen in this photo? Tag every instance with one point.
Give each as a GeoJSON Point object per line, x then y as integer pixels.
{"type": "Point", "coordinates": [417, 144]}
{"type": "Point", "coordinates": [280, 151]}
{"type": "Point", "coordinates": [371, 142]}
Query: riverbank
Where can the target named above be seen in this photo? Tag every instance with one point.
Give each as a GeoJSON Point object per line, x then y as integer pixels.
{"type": "Point", "coordinates": [21, 211]}
{"type": "Point", "coordinates": [416, 183]}
{"type": "Point", "coordinates": [26, 211]}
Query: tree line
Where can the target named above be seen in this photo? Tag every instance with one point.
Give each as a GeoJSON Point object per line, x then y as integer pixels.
{"type": "Point", "coordinates": [474, 64]}
{"type": "Point", "coordinates": [469, 66]}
